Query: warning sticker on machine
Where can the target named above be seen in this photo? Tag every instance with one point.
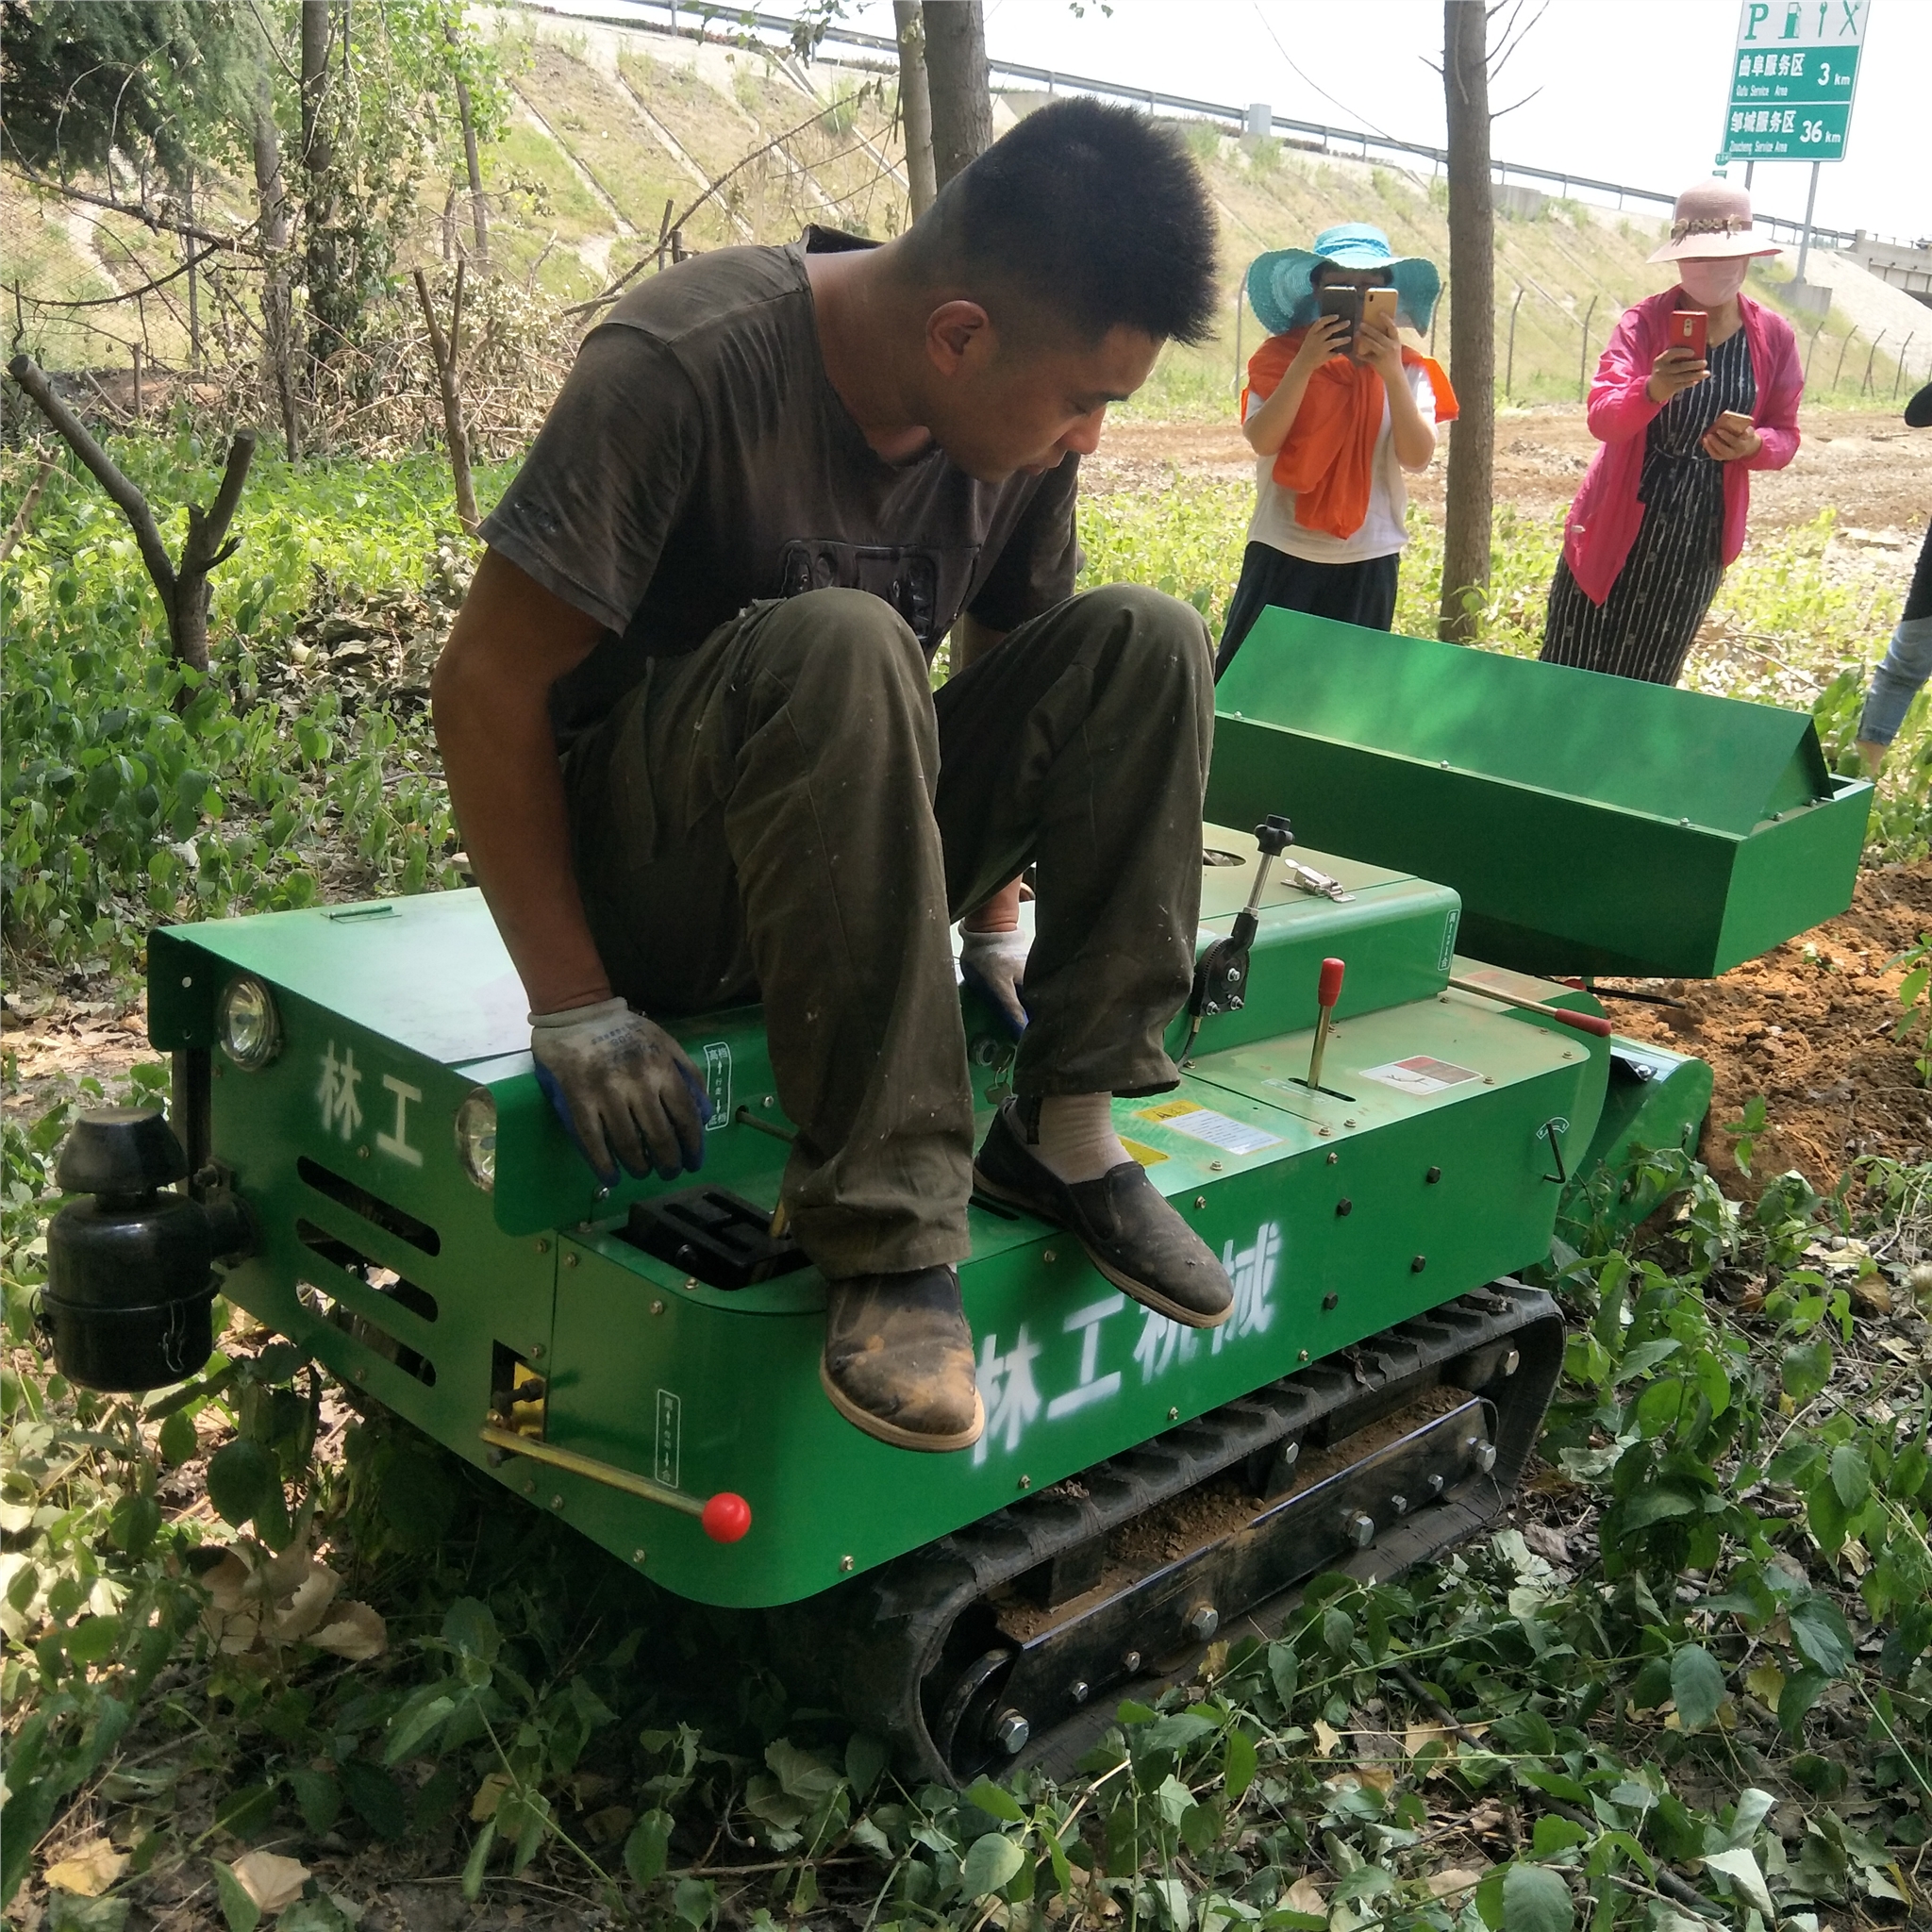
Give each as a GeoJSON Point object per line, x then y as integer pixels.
{"type": "Point", "coordinates": [1203, 1124]}
{"type": "Point", "coordinates": [1147, 1157]}
{"type": "Point", "coordinates": [1420, 1074]}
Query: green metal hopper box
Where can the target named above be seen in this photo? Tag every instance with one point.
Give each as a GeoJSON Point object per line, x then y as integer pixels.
{"type": "Point", "coordinates": [1591, 823]}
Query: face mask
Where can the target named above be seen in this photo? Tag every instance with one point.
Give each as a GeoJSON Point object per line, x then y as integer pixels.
{"type": "Point", "coordinates": [1712, 283]}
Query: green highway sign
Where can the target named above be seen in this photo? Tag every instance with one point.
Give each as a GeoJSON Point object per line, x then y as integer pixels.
{"type": "Point", "coordinates": [1793, 75]}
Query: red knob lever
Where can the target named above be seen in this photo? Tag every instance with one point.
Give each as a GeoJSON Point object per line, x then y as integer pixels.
{"type": "Point", "coordinates": [1329, 990]}
{"type": "Point", "coordinates": [725, 1517]}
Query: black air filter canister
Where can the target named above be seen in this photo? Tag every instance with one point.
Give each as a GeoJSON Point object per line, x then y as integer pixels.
{"type": "Point", "coordinates": [131, 1271]}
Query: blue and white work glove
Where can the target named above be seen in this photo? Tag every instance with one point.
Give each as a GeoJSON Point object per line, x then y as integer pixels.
{"type": "Point", "coordinates": [994, 964]}
{"type": "Point", "coordinates": [623, 1088]}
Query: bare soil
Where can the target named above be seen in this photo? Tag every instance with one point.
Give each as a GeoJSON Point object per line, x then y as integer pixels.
{"type": "Point", "coordinates": [1874, 471]}
{"type": "Point", "coordinates": [1811, 1027]}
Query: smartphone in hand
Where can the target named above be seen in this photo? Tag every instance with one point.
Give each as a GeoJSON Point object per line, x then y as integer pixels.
{"type": "Point", "coordinates": [1343, 300]}
{"type": "Point", "coordinates": [1689, 329]}
{"type": "Point", "coordinates": [1380, 303]}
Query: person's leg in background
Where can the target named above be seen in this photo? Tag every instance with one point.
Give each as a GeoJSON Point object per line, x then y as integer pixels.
{"type": "Point", "coordinates": [1908, 665]}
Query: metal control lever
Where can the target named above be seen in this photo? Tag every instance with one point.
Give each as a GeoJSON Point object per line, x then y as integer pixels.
{"type": "Point", "coordinates": [1221, 974]}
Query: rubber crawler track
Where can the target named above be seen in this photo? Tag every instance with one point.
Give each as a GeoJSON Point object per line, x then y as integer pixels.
{"type": "Point", "coordinates": [879, 1639]}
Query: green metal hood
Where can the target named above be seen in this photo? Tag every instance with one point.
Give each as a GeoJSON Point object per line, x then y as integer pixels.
{"type": "Point", "coordinates": [1590, 823]}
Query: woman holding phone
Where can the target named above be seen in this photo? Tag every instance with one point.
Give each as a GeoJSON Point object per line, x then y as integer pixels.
{"type": "Point", "coordinates": [1336, 408]}
{"type": "Point", "coordinates": [1697, 387]}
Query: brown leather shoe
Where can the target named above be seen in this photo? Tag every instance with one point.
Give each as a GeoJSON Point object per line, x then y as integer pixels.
{"type": "Point", "coordinates": [1131, 1233]}
{"type": "Point", "coordinates": [898, 1359]}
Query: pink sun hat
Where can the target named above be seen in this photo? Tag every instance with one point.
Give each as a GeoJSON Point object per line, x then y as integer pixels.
{"type": "Point", "coordinates": [1711, 221]}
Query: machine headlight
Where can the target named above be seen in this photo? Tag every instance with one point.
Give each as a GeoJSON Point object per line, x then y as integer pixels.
{"type": "Point", "coordinates": [247, 1024]}
{"type": "Point", "coordinates": [476, 1138]}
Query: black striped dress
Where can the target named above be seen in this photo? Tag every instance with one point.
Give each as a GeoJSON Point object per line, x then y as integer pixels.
{"type": "Point", "coordinates": [1645, 626]}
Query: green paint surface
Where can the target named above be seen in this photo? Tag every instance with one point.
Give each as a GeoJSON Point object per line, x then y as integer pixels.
{"type": "Point", "coordinates": [1589, 823]}
{"type": "Point", "coordinates": [379, 1254]}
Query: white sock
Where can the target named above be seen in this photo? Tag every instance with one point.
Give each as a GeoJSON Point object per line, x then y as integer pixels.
{"type": "Point", "coordinates": [1076, 1138]}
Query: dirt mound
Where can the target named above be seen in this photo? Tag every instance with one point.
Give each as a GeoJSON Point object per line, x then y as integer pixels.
{"type": "Point", "coordinates": [1810, 1027]}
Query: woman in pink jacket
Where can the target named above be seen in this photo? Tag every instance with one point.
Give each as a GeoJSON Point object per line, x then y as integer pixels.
{"type": "Point", "coordinates": [1661, 511]}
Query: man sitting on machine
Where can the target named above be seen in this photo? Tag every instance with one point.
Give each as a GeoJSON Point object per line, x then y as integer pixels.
{"type": "Point", "coordinates": [687, 723]}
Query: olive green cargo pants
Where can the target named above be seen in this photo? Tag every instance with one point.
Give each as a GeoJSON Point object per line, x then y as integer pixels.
{"type": "Point", "coordinates": [790, 813]}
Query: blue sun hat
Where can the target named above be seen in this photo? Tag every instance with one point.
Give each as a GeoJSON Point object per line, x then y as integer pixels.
{"type": "Point", "coordinates": [1281, 285]}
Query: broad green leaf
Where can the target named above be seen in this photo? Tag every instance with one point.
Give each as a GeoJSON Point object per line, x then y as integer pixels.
{"type": "Point", "coordinates": [1553, 1835]}
{"type": "Point", "coordinates": [1742, 1869]}
{"type": "Point", "coordinates": [695, 1900]}
{"type": "Point", "coordinates": [468, 1626]}
{"type": "Point", "coordinates": [1645, 1357]}
{"type": "Point", "coordinates": [1697, 1685]}
{"type": "Point", "coordinates": [1175, 1732]}
{"type": "Point", "coordinates": [318, 1797]}
{"type": "Point", "coordinates": [1799, 1695]}
{"type": "Point", "coordinates": [237, 1909]}
{"type": "Point", "coordinates": [1284, 1672]}
{"type": "Point", "coordinates": [1821, 1634]}
{"type": "Point", "coordinates": [1535, 1899]}
{"type": "Point", "coordinates": [803, 1776]}
{"type": "Point", "coordinates": [480, 1857]}
{"type": "Point", "coordinates": [992, 1863]}
{"type": "Point", "coordinates": [247, 1810]}
{"type": "Point", "coordinates": [1527, 1731]}
{"type": "Point", "coordinates": [1238, 1765]}
{"type": "Point", "coordinates": [995, 1802]}
{"type": "Point", "coordinates": [1656, 1506]}
{"type": "Point", "coordinates": [865, 1761]}
{"type": "Point", "coordinates": [374, 1797]}
{"type": "Point", "coordinates": [1753, 1807]}
{"type": "Point", "coordinates": [1338, 1631]}
{"type": "Point", "coordinates": [414, 1724]}
{"type": "Point", "coordinates": [179, 1441]}
{"type": "Point", "coordinates": [1807, 1369]}
{"type": "Point", "coordinates": [241, 1477]}
{"type": "Point", "coordinates": [1851, 1475]}
{"type": "Point", "coordinates": [647, 1850]}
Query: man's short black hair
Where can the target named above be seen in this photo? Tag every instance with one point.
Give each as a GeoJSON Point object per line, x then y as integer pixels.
{"type": "Point", "coordinates": [1096, 212]}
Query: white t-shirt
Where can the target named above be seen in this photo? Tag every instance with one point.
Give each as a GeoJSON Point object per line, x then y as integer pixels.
{"type": "Point", "coordinates": [1384, 531]}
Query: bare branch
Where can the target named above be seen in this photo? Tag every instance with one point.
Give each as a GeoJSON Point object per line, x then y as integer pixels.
{"type": "Point", "coordinates": [444, 349]}
{"type": "Point", "coordinates": [105, 471]}
{"type": "Point", "coordinates": [148, 217]}
{"type": "Point", "coordinates": [24, 514]}
{"type": "Point", "coordinates": [207, 531]}
{"type": "Point", "coordinates": [637, 268]}
{"type": "Point", "coordinates": [1498, 113]}
{"type": "Point", "coordinates": [126, 294]}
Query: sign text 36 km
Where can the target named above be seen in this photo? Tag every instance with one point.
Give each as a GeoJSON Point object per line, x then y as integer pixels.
{"type": "Point", "coordinates": [1793, 78]}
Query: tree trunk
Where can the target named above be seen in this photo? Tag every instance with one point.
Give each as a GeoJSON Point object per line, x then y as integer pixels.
{"type": "Point", "coordinates": [915, 105]}
{"type": "Point", "coordinates": [183, 589]}
{"type": "Point", "coordinates": [194, 279]}
{"type": "Point", "coordinates": [957, 85]}
{"type": "Point", "coordinates": [323, 244]}
{"type": "Point", "coordinates": [479, 213]}
{"type": "Point", "coordinates": [1471, 321]}
{"type": "Point", "coordinates": [443, 351]}
{"type": "Point", "coordinates": [272, 202]}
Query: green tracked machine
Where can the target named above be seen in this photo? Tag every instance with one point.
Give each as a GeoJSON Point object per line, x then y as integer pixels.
{"type": "Point", "coordinates": [1374, 1148]}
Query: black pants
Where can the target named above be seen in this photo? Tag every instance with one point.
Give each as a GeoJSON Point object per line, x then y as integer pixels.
{"type": "Point", "coordinates": [790, 813]}
{"type": "Point", "coordinates": [1362, 593]}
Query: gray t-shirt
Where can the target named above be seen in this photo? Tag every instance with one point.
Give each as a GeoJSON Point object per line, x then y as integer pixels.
{"type": "Point", "coordinates": [698, 459]}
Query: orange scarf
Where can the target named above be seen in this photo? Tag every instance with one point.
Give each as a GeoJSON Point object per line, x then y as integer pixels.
{"type": "Point", "coordinates": [1328, 458]}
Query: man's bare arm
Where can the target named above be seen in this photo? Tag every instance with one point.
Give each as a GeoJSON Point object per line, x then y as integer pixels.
{"type": "Point", "coordinates": [512, 640]}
